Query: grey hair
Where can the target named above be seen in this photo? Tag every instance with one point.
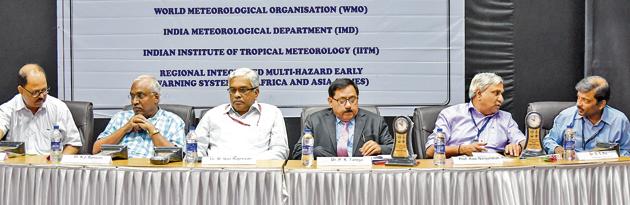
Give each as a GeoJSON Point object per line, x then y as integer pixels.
{"type": "Point", "coordinates": [482, 81]}
{"type": "Point", "coordinates": [248, 73]}
{"type": "Point", "coordinates": [153, 83]}
{"type": "Point", "coordinates": [602, 90]}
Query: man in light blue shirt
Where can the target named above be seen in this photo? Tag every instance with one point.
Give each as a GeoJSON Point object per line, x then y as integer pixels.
{"type": "Point", "coordinates": [592, 120]}
{"type": "Point", "coordinates": [146, 126]}
{"type": "Point", "coordinates": [479, 125]}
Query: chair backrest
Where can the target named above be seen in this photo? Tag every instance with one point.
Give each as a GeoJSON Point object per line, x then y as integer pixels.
{"type": "Point", "coordinates": [548, 110]}
{"type": "Point", "coordinates": [307, 111]}
{"type": "Point", "coordinates": [424, 122]}
{"type": "Point", "coordinates": [185, 112]}
{"type": "Point", "coordinates": [82, 113]}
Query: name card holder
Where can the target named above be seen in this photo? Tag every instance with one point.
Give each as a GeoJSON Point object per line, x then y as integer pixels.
{"type": "Point", "coordinates": [597, 155]}
{"type": "Point", "coordinates": [86, 159]}
{"type": "Point", "coordinates": [334, 162]}
{"type": "Point", "coordinates": [228, 160]}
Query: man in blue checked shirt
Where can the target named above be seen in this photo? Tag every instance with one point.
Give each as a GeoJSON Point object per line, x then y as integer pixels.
{"type": "Point", "coordinates": [592, 120]}
{"type": "Point", "coordinates": [146, 126]}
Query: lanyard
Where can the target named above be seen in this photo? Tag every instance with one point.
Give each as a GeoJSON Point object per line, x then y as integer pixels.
{"type": "Point", "coordinates": [244, 123]}
{"type": "Point", "coordinates": [584, 142]}
{"type": "Point", "coordinates": [483, 127]}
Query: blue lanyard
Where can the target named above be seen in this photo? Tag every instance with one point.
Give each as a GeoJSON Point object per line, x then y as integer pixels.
{"type": "Point", "coordinates": [584, 142]}
{"type": "Point", "coordinates": [479, 131]}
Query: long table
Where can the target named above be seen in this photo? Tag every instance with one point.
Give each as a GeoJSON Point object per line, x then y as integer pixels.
{"type": "Point", "coordinates": [530, 181]}
{"type": "Point", "coordinates": [34, 180]}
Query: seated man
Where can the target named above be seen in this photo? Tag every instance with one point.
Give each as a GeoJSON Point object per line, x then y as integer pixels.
{"type": "Point", "coordinates": [146, 126]}
{"type": "Point", "coordinates": [592, 120]}
{"type": "Point", "coordinates": [479, 125]}
{"type": "Point", "coordinates": [345, 130]}
{"type": "Point", "coordinates": [243, 127]}
{"type": "Point", "coordinates": [30, 116]}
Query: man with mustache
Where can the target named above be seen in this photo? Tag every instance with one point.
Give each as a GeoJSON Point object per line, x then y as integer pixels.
{"type": "Point", "coordinates": [30, 116]}
{"type": "Point", "coordinates": [592, 120]}
{"type": "Point", "coordinates": [244, 127]}
{"type": "Point", "coordinates": [479, 125]}
{"type": "Point", "coordinates": [344, 129]}
{"type": "Point", "coordinates": [146, 126]}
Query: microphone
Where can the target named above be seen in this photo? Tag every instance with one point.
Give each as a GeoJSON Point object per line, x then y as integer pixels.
{"type": "Point", "coordinates": [165, 155]}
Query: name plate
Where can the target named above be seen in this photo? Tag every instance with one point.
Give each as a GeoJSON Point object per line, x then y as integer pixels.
{"type": "Point", "coordinates": [597, 155]}
{"type": "Point", "coordinates": [86, 159]}
{"type": "Point", "coordinates": [3, 156]}
{"type": "Point", "coordinates": [344, 162]}
{"type": "Point", "coordinates": [477, 160]}
{"type": "Point", "coordinates": [232, 160]}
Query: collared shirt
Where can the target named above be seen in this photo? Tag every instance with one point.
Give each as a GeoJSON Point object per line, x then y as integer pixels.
{"type": "Point", "coordinates": [259, 133]}
{"type": "Point", "coordinates": [35, 130]}
{"type": "Point", "coordinates": [613, 127]}
{"type": "Point", "coordinates": [139, 144]}
{"type": "Point", "coordinates": [340, 126]}
{"type": "Point", "coordinates": [457, 123]}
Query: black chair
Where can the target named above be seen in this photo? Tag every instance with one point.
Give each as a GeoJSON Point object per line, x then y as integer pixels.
{"type": "Point", "coordinates": [424, 122]}
{"type": "Point", "coordinates": [185, 112]}
{"type": "Point", "coordinates": [548, 110]}
{"type": "Point", "coordinates": [82, 113]}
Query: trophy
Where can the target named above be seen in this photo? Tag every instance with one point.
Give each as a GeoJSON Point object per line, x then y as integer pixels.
{"type": "Point", "coordinates": [402, 153]}
{"type": "Point", "coordinates": [533, 123]}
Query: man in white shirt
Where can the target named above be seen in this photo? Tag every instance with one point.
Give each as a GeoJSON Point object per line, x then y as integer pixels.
{"type": "Point", "coordinates": [29, 117]}
{"type": "Point", "coordinates": [243, 127]}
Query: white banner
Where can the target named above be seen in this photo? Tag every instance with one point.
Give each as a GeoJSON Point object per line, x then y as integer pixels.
{"type": "Point", "coordinates": [400, 53]}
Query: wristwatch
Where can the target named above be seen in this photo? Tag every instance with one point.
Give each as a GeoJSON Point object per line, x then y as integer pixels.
{"type": "Point", "coordinates": [155, 131]}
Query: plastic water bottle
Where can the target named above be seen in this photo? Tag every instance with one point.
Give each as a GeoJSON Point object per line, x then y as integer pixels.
{"type": "Point", "coordinates": [191, 148]}
{"type": "Point", "coordinates": [439, 156]}
{"type": "Point", "coordinates": [55, 145]}
{"type": "Point", "coordinates": [307, 148]}
{"type": "Point", "coordinates": [569, 144]}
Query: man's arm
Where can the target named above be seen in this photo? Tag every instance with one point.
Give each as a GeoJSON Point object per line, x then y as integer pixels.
{"type": "Point", "coordinates": [278, 145]}
{"type": "Point", "coordinates": [554, 137]}
{"type": "Point", "coordinates": [158, 138]}
{"type": "Point", "coordinates": [516, 139]}
{"type": "Point", "coordinates": [117, 134]}
{"type": "Point", "coordinates": [69, 149]}
{"type": "Point", "coordinates": [72, 138]}
{"type": "Point", "coordinates": [5, 119]}
{"type": "Point", "coordinates": [624, 141]}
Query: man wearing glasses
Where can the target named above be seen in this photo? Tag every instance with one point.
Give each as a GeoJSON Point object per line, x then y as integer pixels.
{"type": "Point", "coordinates": [344, 129]}
{"type": "Point", "coordinates": [243, 127]}
{"type": "Point", "coordinates": [479, 125]}
{"type": "Point", "coordinates": [144, 127]}
{"type": "Point", "coordinates": [30, 116]}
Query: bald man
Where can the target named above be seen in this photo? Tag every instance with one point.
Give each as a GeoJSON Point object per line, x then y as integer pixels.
{"type": "Point", "coordinates": [29, 117]}
{"type": "Point", "coordinates": [144, 127]}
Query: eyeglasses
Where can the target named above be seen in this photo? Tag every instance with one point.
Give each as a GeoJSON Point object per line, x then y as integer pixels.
{"type": "Point", "coordinates": [240, 90]}
{"type": "Point", "coordinates": [343, 101]}
{"type": "Point", "coordinates": [140, 95]}
{"type": "Point", "coordinates": [37, 93]}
